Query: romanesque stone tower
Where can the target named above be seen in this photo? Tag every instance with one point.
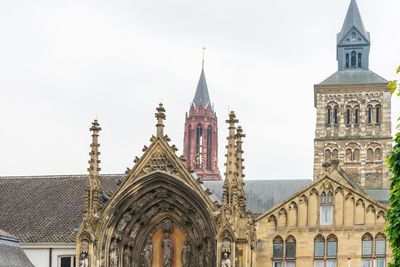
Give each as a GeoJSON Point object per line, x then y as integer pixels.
{"type": "Point", "coordinates": [200, 145]}
{"type": "Point", "coordinates": [353, 111]}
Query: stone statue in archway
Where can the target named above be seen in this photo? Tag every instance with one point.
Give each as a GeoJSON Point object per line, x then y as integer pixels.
{"type": "Point", "coordinates": [83, 259]}
{"type": "Point", "coordinates": [114, 252]}
{"type": "Point", "coordinates": [225, 262]}
{"type": "Point", "coordinates": [127, 257]}
{"type": "Point", "coordinates": [186, 254]}
{"type": "Point", "coordinates": [148, 253]}
{"type": "Point", "coordinates": [168, 250]}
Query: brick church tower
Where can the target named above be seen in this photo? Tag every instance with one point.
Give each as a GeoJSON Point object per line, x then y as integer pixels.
{"type": "Point", "coordinates": [200, 144]}
{"type": "Point", "coordinates": [353, 106]}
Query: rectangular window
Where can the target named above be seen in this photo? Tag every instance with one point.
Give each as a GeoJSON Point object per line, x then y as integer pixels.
{"type": "Point", "coordinates": [380, 262]}
{"type": "Point", "coordinates": [326, 215]}
{"type": "Point", "coordinates": [318, 263]}
{"type": "Point", "coordinates": [356, 116]}
{"type": "Point", "coordinates": [67, 261]}
{"type": "Point", "coordinates": [290, 264]}
{"type": "Point", "coordinates": [331, 249]}
{"type": "Point", "coordinates": [366, 263]}
{"type": "Point", "coordinates": [380, 247]}
{"type": "Point", "coordinates": [278, 251]}
{"type": "Point", "coordinates": [319, 249]}
{"type": "Point", "coordinates": [277, 264]}
{"type": "Point", "coordinates": [367, 247]}
{"type": "Point", "coordinates": [331, 263]}
{"type": "Point", "coordinates": [290, 250]}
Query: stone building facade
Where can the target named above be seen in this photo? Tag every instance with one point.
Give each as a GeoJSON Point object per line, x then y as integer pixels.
{"type": "Point", "coordinates": [200, 144]}
{"type": "Point", "coordinates": [353, 122]}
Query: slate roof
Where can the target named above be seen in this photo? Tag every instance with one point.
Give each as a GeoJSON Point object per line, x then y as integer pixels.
{"type": "Point", "coordinates": [48, 209]}
{"type": "Point", "coordinates": [45, 208]}
{"type": "Point", "coordinates": [261, 195]}
{"type": "Point", "coordinates": [382, 195]}
{"type": "Point", "coordinates": [11, 254]}
{"type": "Point", "coordinates": [353, 19]}
{"type": "Point", "coordinates": [202, 96]}
{"type": "Point", "coordinates": [354, 76]}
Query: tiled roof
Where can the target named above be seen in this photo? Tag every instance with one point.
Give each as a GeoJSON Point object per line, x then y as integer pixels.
{"type": "Point", "coordinates": [45, 208]}
{"type": "Point", "coordinates": [11, 254]}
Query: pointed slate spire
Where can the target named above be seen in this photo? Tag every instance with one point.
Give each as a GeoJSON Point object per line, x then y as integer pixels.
{"type": "Point", "coordinates": [202, 96]}
{"type": "Point", "coordinates": [353, 19]}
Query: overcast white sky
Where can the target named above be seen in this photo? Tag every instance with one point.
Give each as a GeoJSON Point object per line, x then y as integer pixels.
{"type": "Point", "coordinates": [64, 63]}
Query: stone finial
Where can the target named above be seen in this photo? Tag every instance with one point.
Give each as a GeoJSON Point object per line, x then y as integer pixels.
{"type": "Point", "coordinates": [232, 119]}
{"type": "Point", "coordinates": [160, 115]}
{"type": "Point", "coordinates": [239, 135]}
{"type": "Point", "coordinates": [94, 153]}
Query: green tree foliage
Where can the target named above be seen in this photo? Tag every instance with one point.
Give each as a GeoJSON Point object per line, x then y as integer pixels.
{"type": "Point", "coordinates": [393, 214]}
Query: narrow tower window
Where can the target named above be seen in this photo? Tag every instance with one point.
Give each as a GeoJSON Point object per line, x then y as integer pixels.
{"type": "Point", "coordinates": [347, 60]}
{"type": "Point", "coordinates": [199, 146]}
{"type": "Point", "coordinates": [329, 116]}
{"type": "Point", "coordinates": [209, 147]}
{"type": "Point", "coordinates": [188, 156]}
{"type": "Point", "coordinates": [353, 59]}
{"type": "Point", "coordinates": [377, 114]}
{"type": "Point", "coordinates": [348, 116]}
{"type": "Point", "coordinates": [356, 116]}
{"type": "Point", "coordinates": [369, 115]}
{"type": "Point", "coordinates": [359, 60]}
{"type": "Point", "coordinates": [335, 115]}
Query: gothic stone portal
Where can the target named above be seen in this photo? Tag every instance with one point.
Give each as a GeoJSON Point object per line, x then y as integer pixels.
{"type": "Point", "coordinates": [161, 224]}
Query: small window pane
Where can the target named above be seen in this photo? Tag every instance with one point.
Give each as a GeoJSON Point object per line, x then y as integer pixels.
{"type": "Point", "coordinates": [323, 198]}
{"type": "Point", "coordinates": [277, 264]}
{"type": "Point", "coordinates": [290, 250]}
{"type": "Point", "coordinates": [66, 262]}
{"type": "Point", "coordinates": [329, 198]}
{"type": "Point", "coordinates": [326, 215]}
{"type": "Point", "coordinates": [366, 263]}
{"type": "Point", "coordinates": [367, 247]}
{"type": "Point", "coordinates": [331, 263]}
{"type": "Point", "coordinates": [318, 263]}
{"type": "Point", "coordinates": [331, 249]}
{"type": "Point", "coordinates": [319, 249]}
{"type": "Point", "coordinates": [290, 264]}
{"type": "Point", "coordinates": [380, 247]}
{"type": "Point", "coordinates": [380, 262]}
{"type": "Point", "coordinates": [278, 251]}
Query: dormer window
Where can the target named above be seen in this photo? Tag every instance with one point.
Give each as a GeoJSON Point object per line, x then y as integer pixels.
{"type": "Point", "coordinates": [353, 36]}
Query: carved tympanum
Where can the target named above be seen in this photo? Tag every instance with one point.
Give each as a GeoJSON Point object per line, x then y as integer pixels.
{"type": "Point", "coordinates": [159, 161]}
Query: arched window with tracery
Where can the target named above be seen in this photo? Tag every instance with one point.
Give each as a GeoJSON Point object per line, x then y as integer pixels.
{"type": "Point", "coordinates": [331, 251]}
{"type": "Point", "coordinates": [326, 209]}
{"type": "Point", "coordinates": [367, 247]}
{"type": "Point", "coordinates": [319, 251]}
{"type": "Point", "coordinates": [209, 147]}
{"type": "Point", "coordinates": [277, 253]}
{"type": "Point", "coordinates": [380, 249]}
{"type": "Point", "coordinates": [290, 251]}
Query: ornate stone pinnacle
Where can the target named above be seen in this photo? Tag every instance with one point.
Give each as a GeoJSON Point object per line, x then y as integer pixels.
{"type": "Point", "coordinates": [160, 115]}
{"type": "Point", "coordinates": [232, 119]}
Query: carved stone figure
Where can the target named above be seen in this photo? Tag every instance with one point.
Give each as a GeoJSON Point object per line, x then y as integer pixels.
{"type": "Point", "coordinates": [114, 252]}
{"type": "Point", "coordinates": [225, 262]}
{"type": "Point", "coordinates": [168, 251]}
{"type": "Point", "coordinates": [208, 255]}
{"type": "Point", "coordinates": [127, 257]}
{"type": "Point", "coordinates": [167, 226]}
{"type": "Point", "coordinates": [127, 217]}
{"type": "Point", "coordinates": [201, 258]}
{"type": "Point", "coordinates": [148, 253]}
{"type": "Point", "coordinates": [83, 259]}
{"type": "Point", "coordinates": [132, 235]}
{"type": "Point", "coordinates": [186, 254]}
